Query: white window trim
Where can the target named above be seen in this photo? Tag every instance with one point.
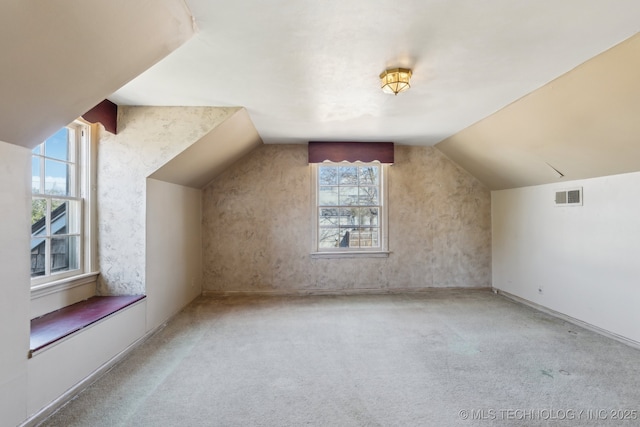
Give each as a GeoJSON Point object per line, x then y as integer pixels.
{"type": "Point", "coordinates": [87, 157]}
{"type": "Point", "coordinates": [38, 291]}
{"type": "Point", "coordinates": [382, 251]}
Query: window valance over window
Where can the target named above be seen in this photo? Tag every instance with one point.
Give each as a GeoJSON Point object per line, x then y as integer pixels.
{"type": "Point", "coordinates": [106, 113]}
{"type": "Point", "coordinates": [319, 151]}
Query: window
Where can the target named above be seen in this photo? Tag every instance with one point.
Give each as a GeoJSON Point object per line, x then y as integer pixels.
{"type": "Point", "coordinates": [350, 208]}
{"type": "Point", "coordinates": [60, 222]}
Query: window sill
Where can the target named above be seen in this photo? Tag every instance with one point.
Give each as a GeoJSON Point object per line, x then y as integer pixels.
{"type": "Point", "coordinates": [49, 288]}
{"type": "Point", "coordinates": [351, 254]}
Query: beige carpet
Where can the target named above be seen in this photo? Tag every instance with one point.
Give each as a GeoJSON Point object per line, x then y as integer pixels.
{"type": "Point", "coordinates": [441, 358]}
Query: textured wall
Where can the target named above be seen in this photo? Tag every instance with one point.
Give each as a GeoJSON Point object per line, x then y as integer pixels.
{"type": "Point", "coordinates": [147, 138]}
{"type": "Point", "coordinates": [257, 227]}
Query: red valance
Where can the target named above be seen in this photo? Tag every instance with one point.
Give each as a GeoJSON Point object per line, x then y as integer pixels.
{"type": "Point", "coordinates": [319, 151]}
{"type": "Point", "coordinates": [106, 113]}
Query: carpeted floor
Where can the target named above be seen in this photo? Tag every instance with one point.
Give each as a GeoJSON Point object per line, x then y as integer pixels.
{"type": "Point", "coordinates": [441, 358]}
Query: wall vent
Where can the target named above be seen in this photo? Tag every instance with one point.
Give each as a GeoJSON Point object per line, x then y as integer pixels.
{"type": "Point", "coordinates": [569, 197]}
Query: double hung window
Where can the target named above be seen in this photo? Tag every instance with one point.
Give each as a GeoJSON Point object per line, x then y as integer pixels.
{"type": "Point", "coordinates": [350, 210]}
{"type": "Point", "coordinates": [60, 184]}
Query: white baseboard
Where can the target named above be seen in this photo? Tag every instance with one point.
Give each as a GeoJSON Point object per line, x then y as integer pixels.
{"type": "Point", "coordinates": [358, 291]}
{"type": "Point", "coordinates": [566, 318]}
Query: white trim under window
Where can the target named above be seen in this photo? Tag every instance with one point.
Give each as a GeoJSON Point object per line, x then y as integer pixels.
{"type": "Point", "coordinates": [62, 237]}
{"type": "Point", "coordinates": [349, 209]}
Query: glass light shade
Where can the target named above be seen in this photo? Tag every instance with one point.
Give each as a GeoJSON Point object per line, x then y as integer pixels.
{"type": "Point", "coordinates": [395, 80]}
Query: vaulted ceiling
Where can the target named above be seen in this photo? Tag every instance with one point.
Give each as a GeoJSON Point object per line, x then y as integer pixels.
{"type": "Point", "coordinates": [308, 70]}
{"type": "Point", "coordinates": [583, 124]}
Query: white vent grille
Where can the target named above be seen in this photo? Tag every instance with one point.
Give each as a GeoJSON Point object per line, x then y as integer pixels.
{"type": "Point", "coordinates": [573, 196]}
{"type": "Point", "coordinates": [569, 197]}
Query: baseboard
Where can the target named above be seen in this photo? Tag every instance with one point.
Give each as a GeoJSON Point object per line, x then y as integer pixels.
{"type": "Point", "coordinates": [340, 292]}
{"type": "Point", "coordinates": [566, 318]}
{"type": "Point", "coordinates": [67, 396]}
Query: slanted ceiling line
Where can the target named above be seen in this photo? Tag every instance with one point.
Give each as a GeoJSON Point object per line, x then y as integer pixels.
{"type": "Point", "coordinates": [560, 174]}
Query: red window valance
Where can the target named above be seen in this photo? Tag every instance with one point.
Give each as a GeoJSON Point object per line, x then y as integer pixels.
{"type": "Point", "coordinates": [106, 113]}
{"type": "Point", "coordinates": [319, 151]}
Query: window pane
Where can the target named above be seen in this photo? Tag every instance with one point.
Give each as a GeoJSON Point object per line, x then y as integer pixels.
{"type": "Point", "coordinates": [328, 196]}
{"type": "Point", "coordinates": [57, 146]}
{"type": "Point", "coordinates": [365, 238]}
{"type": "Point", "coordinates": [328, 217]}
{"type": "Point", "coordinates": [38, 257]}
{"type": "Point", "coordinates": [368, 175]}
{"type": "Point", "coordinates": [367, 216]}
{"type": "Point", "coordinates": [354, 238]}
{"type": "Point", "coordinates": [38, 217]}
{"type": "Point", "coordinates": [347, 216]}
{"type": "Point", "coordinates": [345, 237]}
{"type": "Point", "coordinates": [368, 196]}
{"type": "Point", "coordinates": [64, 253]}
{"type": "Point", "coordinates": [36, 179]}
{"type": "Point", "coordinates": [64, 217]}
{"type": "Point", "coordinates": [328, 175]}
{"type": "Point", "coordinates": [328, 238]}
{"type": "Point", "coordinates": [348, 175]}
{"type": "Point", "coordinates": [348, 196]}
{"type": "Point", "coordinates": [56, 179]}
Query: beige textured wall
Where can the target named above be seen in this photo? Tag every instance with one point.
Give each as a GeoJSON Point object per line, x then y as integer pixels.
{"type": "Point", "coordinates": [257, 228]}
{"type": "Point", "coordinates": [148, 137]}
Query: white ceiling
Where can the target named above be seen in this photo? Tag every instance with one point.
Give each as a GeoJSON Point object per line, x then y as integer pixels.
{"type": "Point", "coordinates": [308, 70]}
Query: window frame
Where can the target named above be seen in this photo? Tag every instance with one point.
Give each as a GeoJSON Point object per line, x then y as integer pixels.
{"type": "Point", "coordinates": [85, 178]}
{"type": "Point", "coordinates": [382, 251]}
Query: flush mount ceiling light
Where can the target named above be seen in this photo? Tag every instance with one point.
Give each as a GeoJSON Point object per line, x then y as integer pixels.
{"type": "Point", "coordinates": [395, 80]}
